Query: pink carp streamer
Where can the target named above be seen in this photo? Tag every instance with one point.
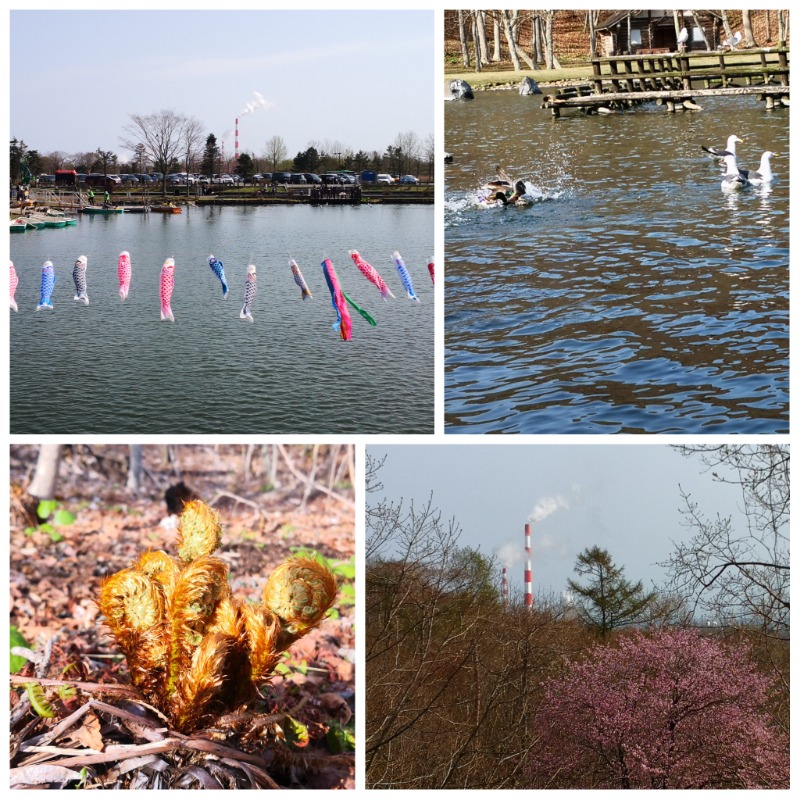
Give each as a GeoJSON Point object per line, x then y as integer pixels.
{"type": "Point", "coordinates": [167, 285]}
{"type": "Point", "coordinates": [430, 269]}
{"type": "Point", "coordinates": [343, 321]}
{"type": "Point", "coordinates": [13, 287]}
{"type": "Point", "coordinates": [300, 280]}
{"type": "Point", "coordinates": [124, 273]}
{"type": "Point", "coordinates": [371, 274]}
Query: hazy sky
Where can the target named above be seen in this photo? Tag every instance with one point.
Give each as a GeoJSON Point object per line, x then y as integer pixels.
{"type": "Point", "coordinates": [356, 77]}
{"type": "Point", "coordinates": [624, 498]}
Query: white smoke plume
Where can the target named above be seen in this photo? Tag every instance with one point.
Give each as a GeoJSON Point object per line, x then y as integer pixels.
{"type": "Point", "coordinates": [255, 104]}
{"type": "Point", "coordinates": [546, 506]}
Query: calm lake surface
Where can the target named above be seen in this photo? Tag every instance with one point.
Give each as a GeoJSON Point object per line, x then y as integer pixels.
{"type": "Point", "coordinates": [114, 367]}
{"type": "Point", "coordinates": [634, 295]}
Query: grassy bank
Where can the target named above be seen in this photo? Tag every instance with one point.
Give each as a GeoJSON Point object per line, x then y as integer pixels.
{"type": "Point", "coordinates": [493, 79]}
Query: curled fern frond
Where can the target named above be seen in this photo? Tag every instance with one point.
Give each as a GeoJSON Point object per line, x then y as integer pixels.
{"type": "Point", "coordinates": [299, 591]}
{"type": "Point", "coordinates": [199, 531]}
{"type": "Point", "coordinates": [192, 648]}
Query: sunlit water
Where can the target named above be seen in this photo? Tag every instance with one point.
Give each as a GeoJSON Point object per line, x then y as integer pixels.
{"type": "Point", "coordinates": [633, 295]}
{"type": "Point", "coordinates": [114, 367]}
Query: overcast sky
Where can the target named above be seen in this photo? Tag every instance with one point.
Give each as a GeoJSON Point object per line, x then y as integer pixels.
{"type": "Point", "coordinates": [624, 498]}
{"type": "Point", "coordinates": [356, 77]}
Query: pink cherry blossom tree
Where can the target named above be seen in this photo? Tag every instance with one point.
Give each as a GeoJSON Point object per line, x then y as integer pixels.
{"type": "Point", "coordinates": [669, 710]}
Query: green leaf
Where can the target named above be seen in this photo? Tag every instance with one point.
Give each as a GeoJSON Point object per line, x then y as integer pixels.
{"type": "Point", "coordinates": [63, 517]}
{"type": "Point", "coordinates": [282, 669]}
{"type": "Point", "coordinates": [66, 692]}
{"type": "Point", "coordinates": [45, 508]}
{"type": "Point", "coordinates": [295, 731]}
{"type": "Point", "coordinates": [30, 531]}
{"type": "Point", "coordinates": [39, 701]}
{"type": "Point", "coordinates": [17, 640]}
{"type": "Point", "coordinates": [339, 739]}
{"type": "Point", "coordinates": [347, 569]}
{"type": "Point", "coordinates": [333, 613]}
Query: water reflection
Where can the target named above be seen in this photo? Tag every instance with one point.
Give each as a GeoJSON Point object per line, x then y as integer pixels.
{"type": "Point", "coordinates": [634, 294]}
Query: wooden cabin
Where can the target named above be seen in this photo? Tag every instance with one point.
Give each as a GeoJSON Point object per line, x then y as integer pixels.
{"type": "Point", "coordinates": [653, 31]}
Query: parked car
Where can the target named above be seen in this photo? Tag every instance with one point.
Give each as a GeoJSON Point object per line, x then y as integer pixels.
{"type": "Point", "coordinates": [46, 179]}
{"type": "Point", "coordinates": [157, 176]}
{"type": "Point", "coordinates": [297, 177]}
{"type": "Point", "coordinates": [97, 179]}
{"type": "Point", "coordinates": [384, 179]}
{"type": "Point", "coordinates": [347, 178]}
{"type": "Point", "coordinates": [281, 177]}
{"type": "Point", "coordinates": [330, 177]}
{"type": "Point", "coordinates": [144, 178]}
{"type": "Point", "coordinates": [409, 179]}
{"type": "Point", "coordinates": [312, 177]}
{"type": "Point", "coordinates": [204, 180]}
{"type": "Point", "coordinates": [129, 178]}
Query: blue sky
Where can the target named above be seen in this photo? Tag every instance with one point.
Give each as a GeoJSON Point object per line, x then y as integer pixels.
{"type": "Point", "coordinates": [625, 498]}
{"type": "Point", "coordinates": [353, 77]}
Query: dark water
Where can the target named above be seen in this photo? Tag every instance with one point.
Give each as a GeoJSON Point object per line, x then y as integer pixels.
{"type": "Point", "coordinates": [633, 295]}
{"type": "Point", "coordinates": [114, 367]}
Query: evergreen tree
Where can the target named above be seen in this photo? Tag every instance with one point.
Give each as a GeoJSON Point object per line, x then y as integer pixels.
{"type": "Point", "coordinates": [608, 601]}
{"type": "Point", "coordinates": [211, 156]}
{"type": "Point", "coordinates": [245, 168]}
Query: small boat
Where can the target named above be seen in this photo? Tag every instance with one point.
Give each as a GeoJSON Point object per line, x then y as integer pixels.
{"type": "Point", "coordinates": [167, 209]}
{"type": "Point", "coordinates": [54, 214]}
{"type": "Point", "coordinates": [102, 210]}
{"type": "Point", "coordinates": [18, 226]}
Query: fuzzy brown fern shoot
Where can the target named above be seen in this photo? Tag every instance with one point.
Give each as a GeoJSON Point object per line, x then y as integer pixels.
{"type": "Point", "coordinates": [194, 650]}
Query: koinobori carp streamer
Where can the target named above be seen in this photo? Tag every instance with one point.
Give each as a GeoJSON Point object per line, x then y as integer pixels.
{"type": "Point", "coordinates": [124, 273]}
{"type": "Point", "coordinates": [343, 321]}
{"type": "Point", "coordinates": [167, 285]}
{"type": "Point", "coordinates": [219, 270]}
{"type": "Point", "coordinates": [47, 285]}
{"type": "Point", "coordinates": [249, 294]}
{"type": "Point", "coordinates": [13, 286]}
{"type": "Point", "coordinates": [299, 279]}
{"type": "Point", "coordinates": [404, 276]}
{"type": "Point", "coordinates": [79, 276]}
{"type": "Point", "coordinates": [430, 269]}
{"type": "Point", "coordinates": [371, 274]}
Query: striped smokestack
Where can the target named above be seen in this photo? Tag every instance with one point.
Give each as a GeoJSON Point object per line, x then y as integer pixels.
{"type": "Point", "coordinates": [505, 588]}
{"type": "Point", "coordinates": [528, 570]}
{"type": "Point", "coordinates": [236, 141]}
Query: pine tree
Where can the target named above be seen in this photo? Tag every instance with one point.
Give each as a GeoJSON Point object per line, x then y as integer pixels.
{"type": "Point", "coordinates": [608, 601]}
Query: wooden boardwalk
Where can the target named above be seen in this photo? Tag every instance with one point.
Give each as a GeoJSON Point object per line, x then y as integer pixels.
{"type": "Point", "coordinates": [676, 79]}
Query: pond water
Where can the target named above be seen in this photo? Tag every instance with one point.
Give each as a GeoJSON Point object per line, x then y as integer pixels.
{"type": "Point", "coordinates": [633, 295]}
{"type": "Point", "coordinates": [114, 367]}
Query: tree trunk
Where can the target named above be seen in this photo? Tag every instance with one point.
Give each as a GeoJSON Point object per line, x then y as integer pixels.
{"type": "Point", "coordinates": [677, 20]}
{"type": "Point", "coordinates": [726, 25]}
{"type": "Point", "coordinates": [749, 39]}
{"type": "Point", "coordinates": [462, 37]}
{"type": "Point", "coordinates": [43, 485]}
{"type": "Point", "coordinates": [497, 54]}
{"type": "Point", "coordinates": [538, 57]}
{"type": "Point", "coordinates": [478, 61]}
{"type": "Point", "coordinates": [135, 468]}
{"type": "Point", "coordinates": [512, 47]}
{"type": "Point", "coordinates": [549, 53]}
{"type": "Point", "coordinates": [702, 30]}
{"type": "Point", "coordinates": [782, 27]}
{"type": "Point", "coordinates": [591, 18]}
{"type": "Point", "coordinates": [480, 21]}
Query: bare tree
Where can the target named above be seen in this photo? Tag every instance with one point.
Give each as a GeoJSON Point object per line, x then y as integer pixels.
{"type": "Point", "coordinates": [482, 41]}
{"type": "Point", "coordinates": [699, 27]}
{"type": "Point", "coordinates": [747, 26]}
{"type": "Point", "coordinates": [275, 151]}
{"type": "Point", "coordinates": [512, 45]}
{"type": "Point", "coordinates": [135, 468]}
{"type": "Point", "coordinates": [726, 25]}
{"type": "Point", "coordinates": [740, 574]}
{"type": "Point", "coordinates": [164, 135]}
